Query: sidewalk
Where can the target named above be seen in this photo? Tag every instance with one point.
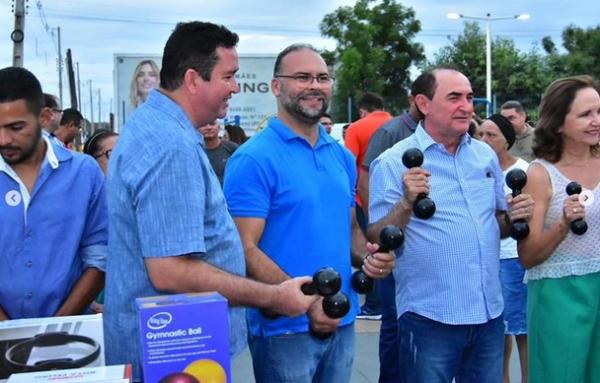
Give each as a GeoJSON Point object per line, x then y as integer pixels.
{"type": "Point", "coordinates": [366, 360]}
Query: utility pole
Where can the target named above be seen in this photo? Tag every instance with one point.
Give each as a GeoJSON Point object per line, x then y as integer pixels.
{"type": "Point", "coordinates": [99, 106]}
{"type": "Point", "coordinates": [79, 89]}
{"type": "Point", "coordinates": [60, 70]}
{"type": "Point", "coordinates": [71, 78]}
{"type": "Point", "coordinates": [18, 34]}
{"type": "Point", "coordinates": [91, 105]}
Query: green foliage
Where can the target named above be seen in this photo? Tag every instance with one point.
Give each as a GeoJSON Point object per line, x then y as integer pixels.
{"type": "Point", "coordinates": [515, 75]}
{"type": "Point", "coordinates": [374, 51]}
{"type": "Point", "coordinates": [582, 52]}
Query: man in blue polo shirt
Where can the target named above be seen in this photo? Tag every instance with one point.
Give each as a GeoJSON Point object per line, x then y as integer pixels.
{"type": "Point", "coordinates": [291, 192]}
{"type": "Point", "coordinates": [53, 230]}
{"type": "Point", "coordinates": [448, 297]}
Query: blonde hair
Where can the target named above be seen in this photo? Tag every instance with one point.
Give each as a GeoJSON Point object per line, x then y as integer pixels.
{"type": "Point", "coordinates": [134, 96]}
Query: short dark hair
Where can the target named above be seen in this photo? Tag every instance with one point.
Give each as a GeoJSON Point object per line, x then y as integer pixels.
{"type": "Point", "coordinates": [556, 104]}
{"type": "Point", "coordinates": [236, 134]}
{"type": "Point", "coordinates": [50, 101]}
{"type": "Point", "coordinates": [287, 51]}
{"type": "Point", "coordinates": [513, 104]}
{"type": "Point", "coordinates": [370, 102]}
{"type": "Point", "coordinates": [426, 83]}
{"type": "Point", "coordinates": [94, 142]}
{"type": "Point", "coordinates": [20, 84]}
{"type": "Point", "coordinates": [71, 115]}
{"type": "Point", "coordinates": [193, 45]}
{"type": "Point", "coordinates": [327, 115]}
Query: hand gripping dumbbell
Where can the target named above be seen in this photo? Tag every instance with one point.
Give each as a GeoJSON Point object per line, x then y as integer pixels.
{"type": "Point", "coordinates": [578, 226]}
{"type": "Point", "coordinates": [326, 283]}
{"type": "Point", "coordinates": [390, 238]}
{"type": "Point", "coordinates": [423, 207]}
{"type": "Point", "coordinates": [516, 180]}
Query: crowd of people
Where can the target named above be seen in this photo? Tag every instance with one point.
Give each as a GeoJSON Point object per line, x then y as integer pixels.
{"type": "Point", "coordinates": [169, 207]}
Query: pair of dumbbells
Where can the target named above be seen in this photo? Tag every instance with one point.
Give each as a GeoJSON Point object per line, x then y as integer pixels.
{"type": "Point", "coordinates": [516, 180]}
{"type": "Point", "coordinates": [392, 237]}
{"type": "Point", "coordinates": [327, 283]}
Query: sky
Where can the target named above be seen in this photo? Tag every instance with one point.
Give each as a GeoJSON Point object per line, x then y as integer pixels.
{"type": "Point", "coordinates": [96, 30]}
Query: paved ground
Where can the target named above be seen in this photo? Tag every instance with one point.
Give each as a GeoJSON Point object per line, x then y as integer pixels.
{"type": "Point", "coordinates": [366, 361]}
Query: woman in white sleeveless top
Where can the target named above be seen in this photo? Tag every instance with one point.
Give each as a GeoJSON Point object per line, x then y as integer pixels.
{"type": "Point", "coordinates": [563, 275]}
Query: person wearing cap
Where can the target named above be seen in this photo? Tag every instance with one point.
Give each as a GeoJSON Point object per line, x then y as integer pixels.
{"type": "Point", "coordinates": [498, 132]}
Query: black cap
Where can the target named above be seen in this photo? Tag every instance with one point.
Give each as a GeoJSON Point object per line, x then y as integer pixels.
{"type": "Point", "coordinates": [505, 126]}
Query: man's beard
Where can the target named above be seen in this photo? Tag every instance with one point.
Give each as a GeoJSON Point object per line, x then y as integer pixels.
{"type": "Point", "coordinates": [308, 115]}
{"type": "Point", "coordinates": [26, 153]}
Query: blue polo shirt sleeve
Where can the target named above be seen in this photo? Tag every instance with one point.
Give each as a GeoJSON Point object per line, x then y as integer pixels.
{"type": "Point", "coordinates": [170, 218]}
{"type": "Point", "coordinates": [94, 241]}
{"type": "Point", "coordinates": [247, 187]}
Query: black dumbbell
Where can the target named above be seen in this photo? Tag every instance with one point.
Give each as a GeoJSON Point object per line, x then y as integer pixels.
{"type": "Point", "coordinates": [424, 207]}
{"type": "Point", "coordinates": [335, 307]}
{"type": "Point", "coordinates": [390, 238]}
{"type": "Point", "coordinates": [516, 180]}
{"type": "Point", "coordinates": [327, 283]}
{"type": "Point", "coordinates": [579, 226]}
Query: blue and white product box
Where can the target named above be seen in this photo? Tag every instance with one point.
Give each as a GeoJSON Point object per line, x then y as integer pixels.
{"type": "Point", "coordinates": [184, 338]}
{"type": "Point", "coordinates": [39, 344]}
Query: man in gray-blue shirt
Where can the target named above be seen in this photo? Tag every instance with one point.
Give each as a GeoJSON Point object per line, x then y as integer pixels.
{"type": "Point", "coordinates": [170, 231]}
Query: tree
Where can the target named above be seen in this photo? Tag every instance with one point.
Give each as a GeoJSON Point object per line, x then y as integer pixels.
{"type": "Point", "coordinates": [515, 75]}
{"type": "Point", "coordinates": [374, 51]}
{"type": "Point", "coordinates": [583, 52]}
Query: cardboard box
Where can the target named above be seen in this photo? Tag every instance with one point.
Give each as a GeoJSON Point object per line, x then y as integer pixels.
{"type": "Point", "coordinates": [39, 344]}
{"type": "Point", "coordinates": [108, 374]}
{"type": "Point", "coordinates": [184, 337]}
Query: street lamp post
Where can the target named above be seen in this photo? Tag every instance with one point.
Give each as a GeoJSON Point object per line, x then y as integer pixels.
{"type": "Point", "coordinates": [488, 47]}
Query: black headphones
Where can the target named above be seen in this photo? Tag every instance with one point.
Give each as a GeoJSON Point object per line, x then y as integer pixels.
{"type": "Point", "coordinates": [18, 354]}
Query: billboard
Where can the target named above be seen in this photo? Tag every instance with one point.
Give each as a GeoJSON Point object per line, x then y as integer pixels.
{"type": "Point", "coordinates": [137, 74]}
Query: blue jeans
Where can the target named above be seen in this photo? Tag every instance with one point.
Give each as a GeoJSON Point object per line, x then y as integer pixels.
{"type": "Point", "coordinates": [389, 358]}
{"type": "Point", "coordinates": [433, 352]}
{"type": "Point", "coordinates": [302, 358]}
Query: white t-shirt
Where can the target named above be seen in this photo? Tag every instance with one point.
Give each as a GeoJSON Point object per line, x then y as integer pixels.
{"type": "Point", "coordinates": [508, 246]}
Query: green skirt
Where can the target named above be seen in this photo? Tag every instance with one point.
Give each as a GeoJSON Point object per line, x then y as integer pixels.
{"type": "Point", "coordinates": [563, 322]}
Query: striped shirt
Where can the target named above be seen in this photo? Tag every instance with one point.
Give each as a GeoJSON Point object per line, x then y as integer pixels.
{"type": "Point", "coordinates": [448, 268]}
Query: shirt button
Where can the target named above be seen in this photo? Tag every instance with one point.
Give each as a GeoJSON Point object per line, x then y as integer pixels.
{"type": "Point", "coordinates": [29, 263]}
{"type": "Point", "coordinates": [29, 295]}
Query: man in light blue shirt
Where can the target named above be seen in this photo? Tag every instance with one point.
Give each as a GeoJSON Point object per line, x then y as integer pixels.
{"type": "Point", "coordinates": [53, 226]}
{"type": "Point", "coordinates": [448, 297]}
{"type": "Point", "coordinates": [170, 231]}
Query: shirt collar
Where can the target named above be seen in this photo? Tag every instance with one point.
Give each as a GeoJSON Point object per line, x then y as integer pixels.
{"type": "Point", "coordinates": [158, 100]}
{"type": "Point", "coordinates": [287, 134]}
{"type": "Point", "coordinates": [50, 158]}
{"type": "Point", "coordinates": [424, 140]}
{"type": "Point", "coordinates": [408, 120]}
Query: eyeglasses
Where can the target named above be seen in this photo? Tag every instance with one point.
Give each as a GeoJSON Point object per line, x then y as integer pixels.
{"type": "Point", "coordinates": [305, 78]}
{"type": "Point", "coordinates": [104, 153]}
